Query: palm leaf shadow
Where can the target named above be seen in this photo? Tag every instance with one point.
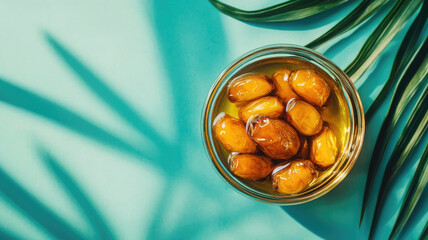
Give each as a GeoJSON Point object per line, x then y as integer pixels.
{"type": "Point", "coordinates": [7, 235]}
{"type": "Point", "coordinates": [418, 214]}
{"type": "Point", "coordinates": [104, 92]}
{"type": "Point", "coordinates": [31, 102]}
{"type": "Point", "coordinates": [175, 39]}
{"type": "Point", "coordinates": [424, 233]}
{"type": "Point", "coordinates": [35, 210]}
{"type": "Point", "coordinates": [413, 196]}
{"type": "Point", "coordinates": [72, 188]}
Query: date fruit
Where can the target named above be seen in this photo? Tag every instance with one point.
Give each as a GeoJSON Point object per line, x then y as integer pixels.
{"type": "Point", "coordinates": [275, 137]}
{"type": "Point", "coordinates": [310, 86]}
{"type": "Point", "coordinates": [293, 177]}
{"type": "Point", "coordinates": [232, 134]}
{"type": "Point", "coordinates": [249, 166]}
{"type": "Point", "coordinates": [249, 87]}
{"type": "Point", "coordinates": [304, 148]}
{"type": "Point", "coordinates": [265, 106]}
{"type": "Point", "coordinates": [304, 117]}
{"type": "Point", "coordinates": [282, 87]}
{"type": "Point", "coordinates": [324, 149]}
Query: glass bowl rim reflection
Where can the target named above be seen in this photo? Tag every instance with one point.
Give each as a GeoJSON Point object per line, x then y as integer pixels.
{"type": "Point", "coordinates": [351, 149]}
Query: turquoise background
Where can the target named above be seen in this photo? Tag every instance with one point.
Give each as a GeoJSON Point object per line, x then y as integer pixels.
{"type": "Point", "coordinates": [100, 110]}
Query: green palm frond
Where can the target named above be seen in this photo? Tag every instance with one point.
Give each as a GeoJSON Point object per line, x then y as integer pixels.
{"type": "Point", "coordinates": [414, 192]}
{"type": "Point", "coordinates": [360, 14]}
{"type": "Point", "coordinates": [408, 83]}
{"type": "Point", "coordinates": [402, 58]}
{"type": "Point", "coordinates": [415, 128]}
{"type": "Point", "coordinates": [424, 233]}
{"type": "Point", "coordinates": [409, 72]}
{"type": "Point", "coordinates": [393, 22]}
{"type": "Point", "coordinates": [286, 11]}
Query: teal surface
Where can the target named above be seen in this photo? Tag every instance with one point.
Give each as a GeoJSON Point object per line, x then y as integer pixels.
{"type": "Point", "coordinates": [100, 110]}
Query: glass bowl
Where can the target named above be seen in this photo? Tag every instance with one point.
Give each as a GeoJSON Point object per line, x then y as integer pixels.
{"type": "Point", "coordinates": [354, 133]}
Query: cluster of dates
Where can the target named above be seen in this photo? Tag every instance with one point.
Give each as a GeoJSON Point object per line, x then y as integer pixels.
{"type": "Point", "coordinates": [279, 117]}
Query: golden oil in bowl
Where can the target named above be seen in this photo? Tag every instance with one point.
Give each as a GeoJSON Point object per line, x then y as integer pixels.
{"type": "Point", "coordinates": [342, 113]}
{"type": "Point", "coordinates": [334, 112]}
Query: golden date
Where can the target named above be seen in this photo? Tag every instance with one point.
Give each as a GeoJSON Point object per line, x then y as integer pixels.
{"type": "Point", "coordinates": [310, 86]}
{"type": "Point", "coordinates": [249, 166]}
{"type": "Point", "coordinates": [265, 106]}
{"type": "Point", "coordinates": [304, 117]}
{"type": "Point", "coordinates": [282, 87]}
{"type": "Point", "coordinates": [232, 134]}
{"type": "Point", "coordinates": [249, 87]}
{"type": "Point", "coordinates": [275, 137]}
{"type": "Point", "coordinates": [293, 177]}
{"type": "Point", "coordinates": [324, 148]}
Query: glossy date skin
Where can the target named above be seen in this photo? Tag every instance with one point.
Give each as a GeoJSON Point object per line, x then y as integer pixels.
{"type": "Point", "coordinates": [249, 166]}
{"type": "Point", "coordinates": [232, 134]}
{"type": "Point", "coordinates": [282, 87]}
{"type": "Point", "coordinates": [249, 87]}
{"type": "Point", "coordinates": [304, 117]}
{"type": "Point", "coordinates": [266, 106]}
{"type": "Point", "coordinates": [276, 138]}
{"type": "Point", "coordinates": [311, 87]}
{"type": "Point", "coordinates": [304, 148]}
{"type": "Point", "coordinates": [293, 177]}
{"type": "Point", "coordinates": [279, 123]}
{"type": "Point", "coordinates": [324, 148]}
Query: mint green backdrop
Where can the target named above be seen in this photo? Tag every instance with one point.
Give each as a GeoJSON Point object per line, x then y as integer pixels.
{"type": "Point", "coordinates": [100, 110]}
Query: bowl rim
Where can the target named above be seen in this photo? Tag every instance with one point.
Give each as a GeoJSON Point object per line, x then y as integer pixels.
{"type": "Point", "coordinates": [354, 145]}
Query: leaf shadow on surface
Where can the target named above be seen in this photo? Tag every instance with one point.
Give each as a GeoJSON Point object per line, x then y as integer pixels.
{"type": "Point", "coordinates": [99, 88]}
{"type": "Point", "coordinates": [345, 193]}
{"type": "Point", "coordinates": [419, 212]}
{"type": "Point", "coordinates": [394, 199]}
{"type": "Point", "coordinates": [33, 103]}
{"type": "Point", "coordinates": [36, 211]}
{"type": "Point", "coordinates": [172, 30]}
{"type": "Point", "coordinates": [312, 22]}
{"type": "Point", "coordinates": [377, 78]}
{"type": "Point", "coordinates": [181, 34]}
{"type": "Point", "coordinates": [7, 235]}
{"type": "Point", "coordinates": [312, 216]}
{"type": "Point", "coordinates": [82, 201]}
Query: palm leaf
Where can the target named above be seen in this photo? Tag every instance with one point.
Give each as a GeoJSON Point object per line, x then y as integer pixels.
{"type": "Point", "coordinates": [360, 14]}
{"type": "Point", "coordinates": [79, 197]}
{"type": "Point", "coordinates": [415, 128]}
{"type": "Point", "coordinates": [286, 11]}
{"type": "Point", "coordinates": [404, 54]}
{"type": "Point", "coordinates": [36, 210]}
{"type": "Point", "coordinates": [414, 192]}
{"type": "Point", "coordinates": [424, 233]}
{"type": "Point", "coordinates": [408, 83]}
{"type": "Point", "coordinates": [381, 37]}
